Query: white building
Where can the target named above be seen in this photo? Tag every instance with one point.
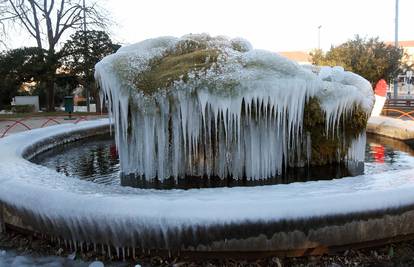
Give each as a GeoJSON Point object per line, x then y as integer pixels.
{"type": "Point", "coordinates": [27, 100]}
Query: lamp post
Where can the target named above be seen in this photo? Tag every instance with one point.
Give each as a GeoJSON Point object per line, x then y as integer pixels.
{"type": "Point", "coordinates": [319, 36]}
{"type": "Point", "coordinates": [84, 57]}
{"type": "Point", "coordinates": [396, 45]}
{"type": "Point", "coordinates": [409, 76]}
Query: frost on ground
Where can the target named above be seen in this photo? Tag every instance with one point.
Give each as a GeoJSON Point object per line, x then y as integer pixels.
{"type": "Point", "coordinates": [12, 259]}
{"type": "Point", "coordinates": [211, 106]}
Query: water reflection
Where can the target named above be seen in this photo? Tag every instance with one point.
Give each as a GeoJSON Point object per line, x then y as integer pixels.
{"type": "Point", "coordinates": [384, 154]}
{"type": "Point", "coordinates": [96, 160]}
{"type": "Point", "coordinates": [378, 152]}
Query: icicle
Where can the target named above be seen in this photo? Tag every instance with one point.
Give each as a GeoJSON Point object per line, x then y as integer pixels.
{"type": "Point", "coordinates": [200, 127]}
{"type": "Point", "coordinates": [354, 152]}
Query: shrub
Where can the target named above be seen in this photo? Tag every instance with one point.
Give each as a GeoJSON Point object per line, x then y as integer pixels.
{"type": "Point", "coordinates": [7, 107]}
{"type": "Point", "coordinates": [23, 108]}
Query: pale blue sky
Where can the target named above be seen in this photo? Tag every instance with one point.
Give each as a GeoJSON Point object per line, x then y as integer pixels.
{"type": "Point", "coordinates": [277, 25]}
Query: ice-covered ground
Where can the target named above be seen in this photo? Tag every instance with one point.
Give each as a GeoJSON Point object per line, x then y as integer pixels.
{"type": "Point", "coordinates": [13, 259]}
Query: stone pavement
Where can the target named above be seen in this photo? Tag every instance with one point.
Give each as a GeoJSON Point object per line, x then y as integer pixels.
{"type": "Point", "coordinates": [15, 125]}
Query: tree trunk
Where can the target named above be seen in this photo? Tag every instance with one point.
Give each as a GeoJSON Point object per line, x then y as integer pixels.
{"type": "Point", "coordinates": [52, 63]}
{"type": "Point", "coordinates": [50, 94]}
{"type": "Point", "coordinates": [95, 94]}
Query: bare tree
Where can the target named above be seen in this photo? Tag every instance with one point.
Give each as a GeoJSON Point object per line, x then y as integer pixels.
{"type": "Point", "coordinates": [3, 19]}
{"type": "Point", "coordinates": [46, 21]}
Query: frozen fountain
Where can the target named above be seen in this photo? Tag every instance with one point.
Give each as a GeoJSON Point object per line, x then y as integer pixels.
{"type": "Point", "coordinates": [211, 108]}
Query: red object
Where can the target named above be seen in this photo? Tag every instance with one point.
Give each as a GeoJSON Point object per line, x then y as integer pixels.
{"type": "Point", "coordinates": [113, 152]}
{"type": "Point", "coordinates": [381, 88]}
{"type": "Point", "coordinates": [379, 153]}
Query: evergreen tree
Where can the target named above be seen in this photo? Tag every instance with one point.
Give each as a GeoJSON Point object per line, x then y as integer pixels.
{"type": "Point", "coordinates": [80, 54]}
{"type": "Point", "coordinates": [370, 58]}
{"type": "Point", "coordinates": [18, 66]}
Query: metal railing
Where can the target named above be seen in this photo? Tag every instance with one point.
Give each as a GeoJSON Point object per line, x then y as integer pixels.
{"type": "Point", "coordinates": [401, 113]}
{"type": "Point", "coordinates": [29, 123]}
{"type": "Point", "coordinates": [401, 108]}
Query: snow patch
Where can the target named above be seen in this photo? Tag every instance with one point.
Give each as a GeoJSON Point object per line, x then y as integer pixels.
{"type": "Point", "coordinates": [12, 259]}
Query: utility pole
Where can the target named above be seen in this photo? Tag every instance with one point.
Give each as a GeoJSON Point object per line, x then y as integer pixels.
{"type": "Point", "coordinates": [319, 36]}
{"type": "Point", "coordinates": [396, 45]}
{"type": "Point", "coordinates": [84, 58]}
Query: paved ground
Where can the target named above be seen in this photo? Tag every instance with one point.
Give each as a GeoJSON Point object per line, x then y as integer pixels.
{"type": "Point", "coordinates": [14, 125]}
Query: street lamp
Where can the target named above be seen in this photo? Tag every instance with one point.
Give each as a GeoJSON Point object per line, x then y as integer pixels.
{"type": "Point", "coordinates": [409, 76]}
{"type": "Point", "coordinates": [84, 57]}
{"type": "Point", "coordinates": [396, 45]}
{"type": "Point", "coordinates": [319, 36]}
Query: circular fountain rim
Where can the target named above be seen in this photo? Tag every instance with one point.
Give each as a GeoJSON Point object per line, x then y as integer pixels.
{"type": "Point", "coordinates": [44, 191]}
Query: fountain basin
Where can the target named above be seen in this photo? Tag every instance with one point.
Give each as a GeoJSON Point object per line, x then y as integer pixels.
{"type": "Point", "coordinates": [266, 218]}
{"type": "Point", "coordinates": [391, 127]}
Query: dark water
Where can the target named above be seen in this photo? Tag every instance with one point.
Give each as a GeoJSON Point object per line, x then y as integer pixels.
{"type": "Point", "coordinates": [96, 160]}
{"type": "Point", "coordinates": [91, 159]}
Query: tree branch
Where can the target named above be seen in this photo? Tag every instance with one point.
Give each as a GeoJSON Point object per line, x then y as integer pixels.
{"type": "Point", "coordinates": [22, 17]}
{"type": "Point", "coordinates": [38, 6]}
{"type": "Point", "coordinates": [35, 16]}
{"type": "Point", "coordinates": [36, 24]}
{"type": "Point", "coordinates": [49, 10]}
{"type": "Point", "coordinates": [70, 22]}
{"type": "Point", "coordinates": [59, 17]}
{"type": "Point", "coordinates": [49, 27]}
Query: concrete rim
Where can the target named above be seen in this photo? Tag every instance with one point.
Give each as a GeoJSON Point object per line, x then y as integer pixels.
{"type": "Point", "coordinates": [40, 192]}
